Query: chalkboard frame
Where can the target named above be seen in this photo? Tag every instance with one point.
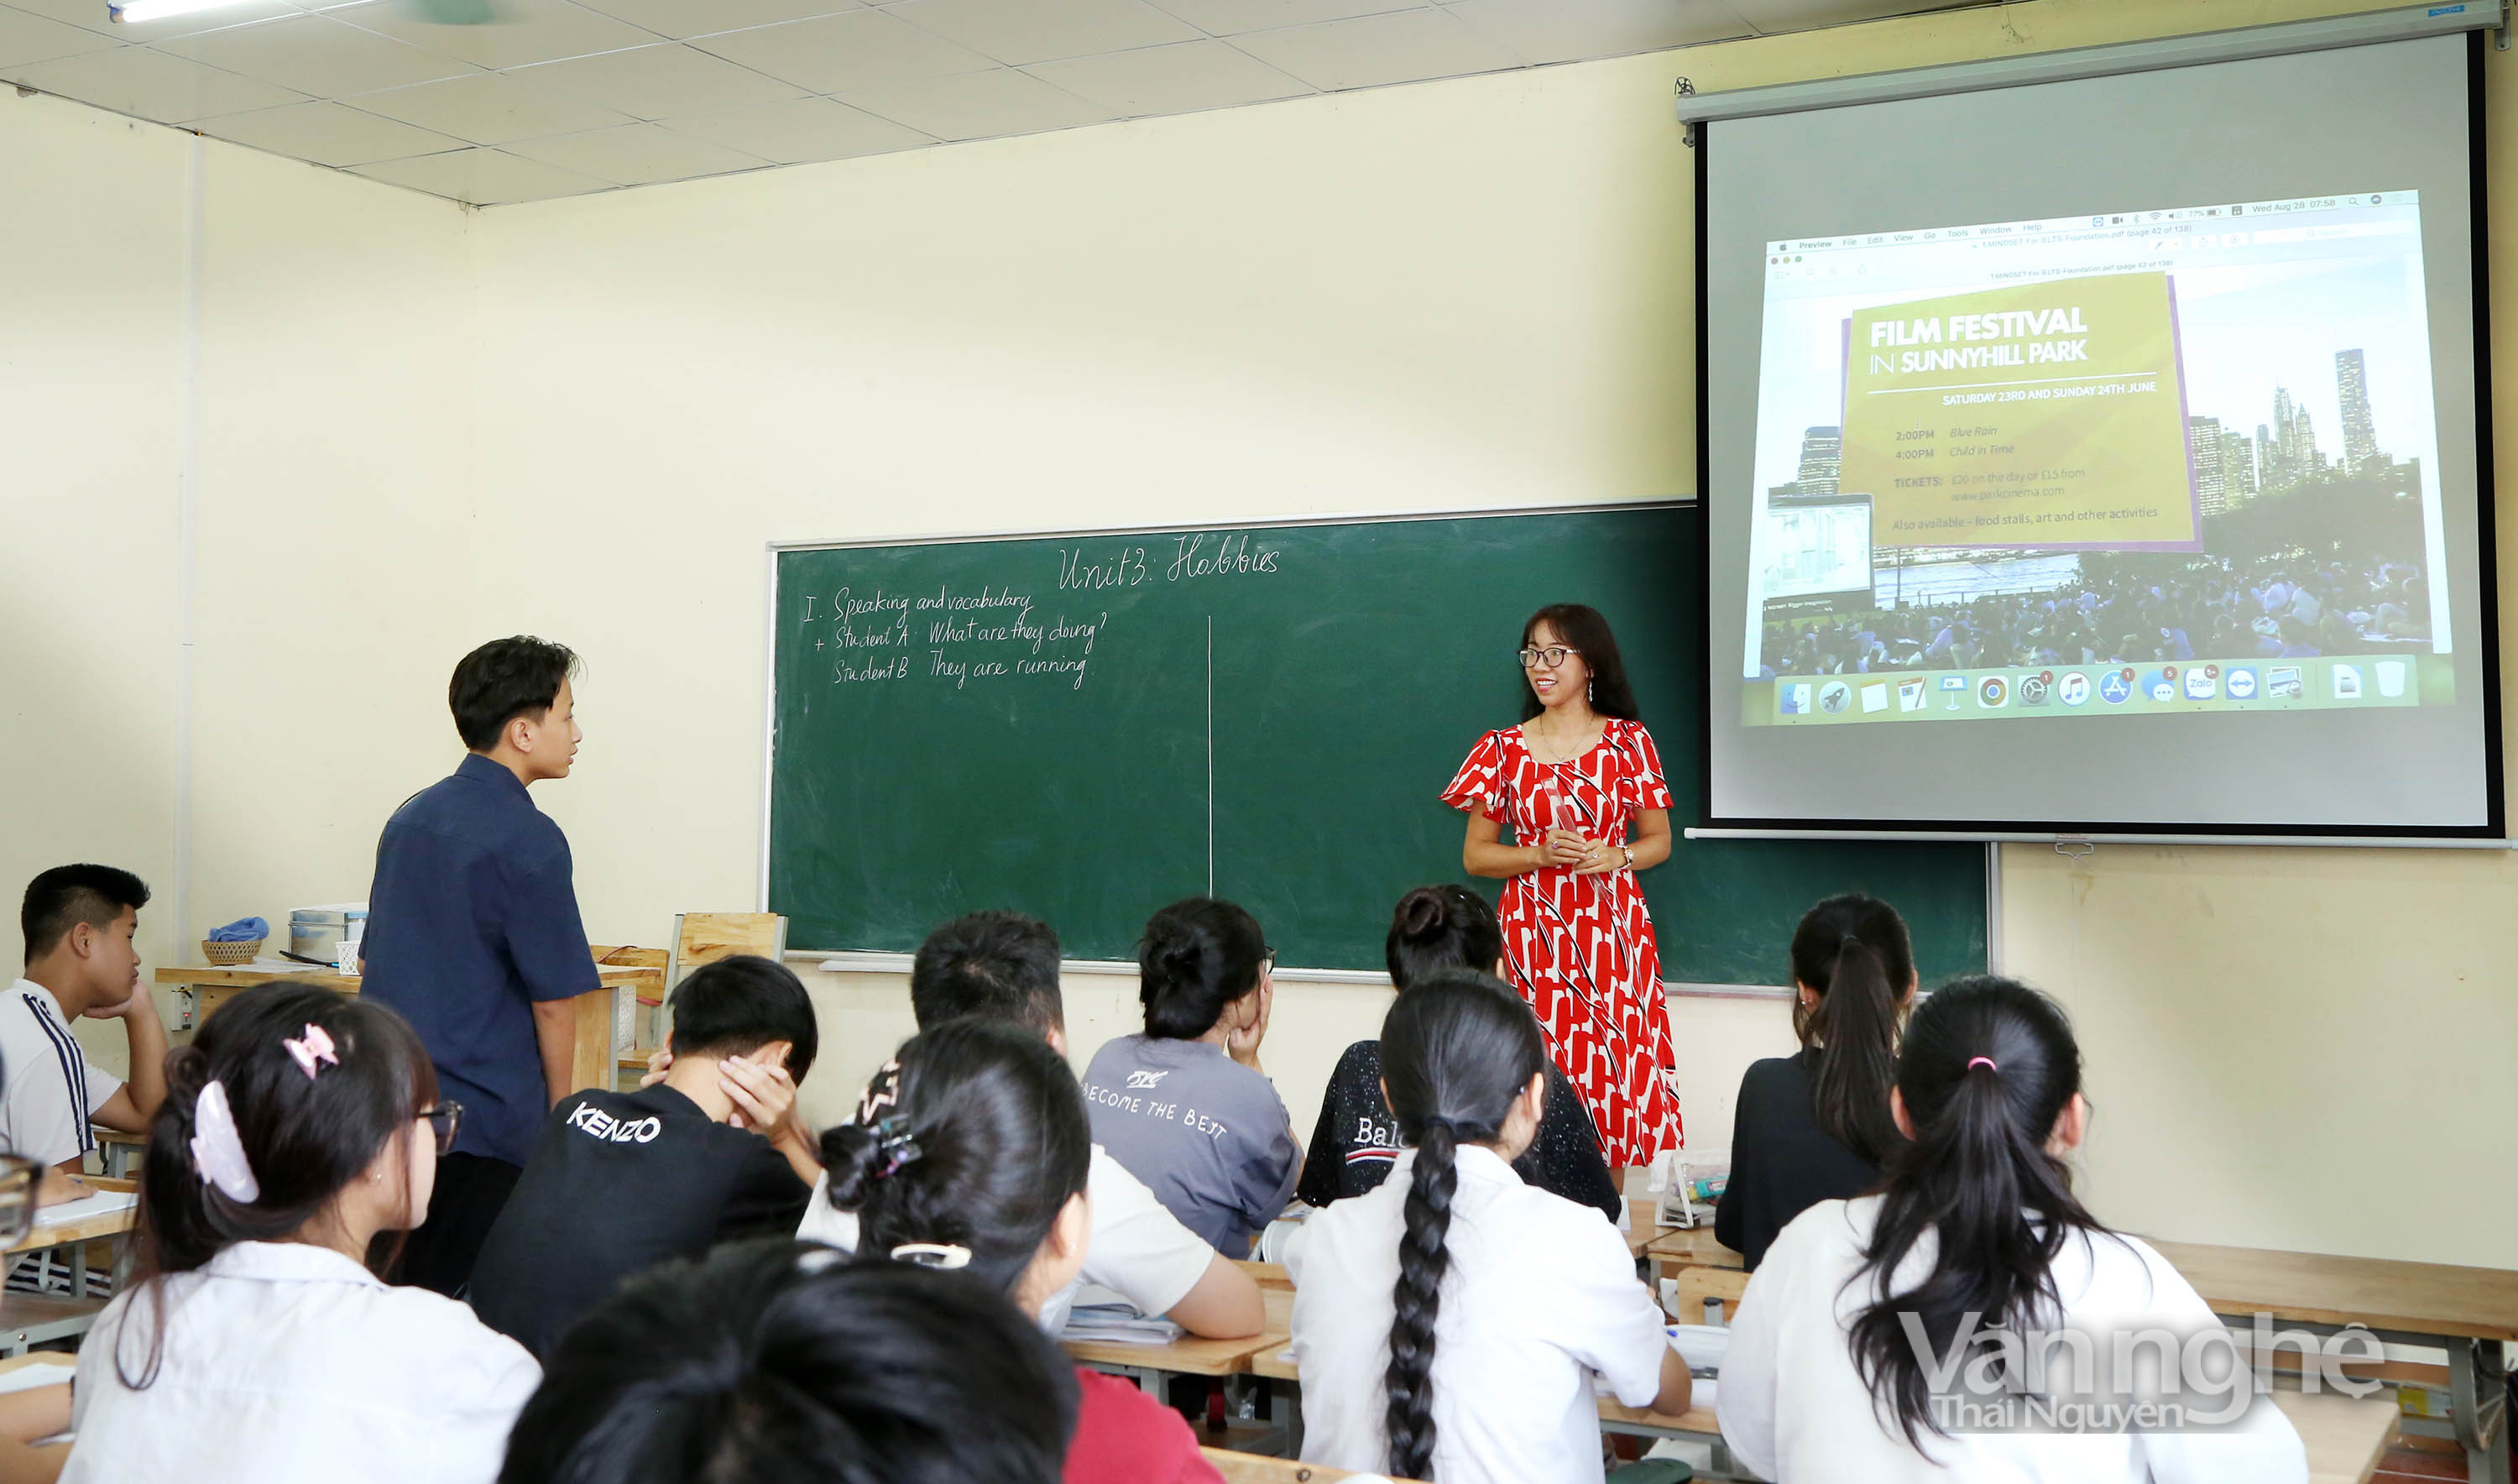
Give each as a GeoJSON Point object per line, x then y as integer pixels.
{"type": "Point", "coordinates": [892, 961]}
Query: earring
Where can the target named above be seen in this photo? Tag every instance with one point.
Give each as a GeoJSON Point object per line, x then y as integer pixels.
{"type": "Point", "coordinates": [1587, 692]}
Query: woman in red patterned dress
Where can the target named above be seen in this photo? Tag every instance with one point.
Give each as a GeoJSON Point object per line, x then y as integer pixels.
{"type": "Point", "coordinates": [1571, 780]}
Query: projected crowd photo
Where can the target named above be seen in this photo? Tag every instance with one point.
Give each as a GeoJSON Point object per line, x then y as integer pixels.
{"type": "Point", "coordinates": [2171, 460]}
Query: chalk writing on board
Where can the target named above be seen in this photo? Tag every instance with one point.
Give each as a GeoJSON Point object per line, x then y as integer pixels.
{"type": "Point", "coordinates": [1198, 555]}
{"type": "Point", "coordinates": [1227, 556]}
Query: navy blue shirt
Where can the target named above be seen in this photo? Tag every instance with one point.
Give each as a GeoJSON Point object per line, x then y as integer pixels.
{"type": "Point", "coordinates": [471, 919]}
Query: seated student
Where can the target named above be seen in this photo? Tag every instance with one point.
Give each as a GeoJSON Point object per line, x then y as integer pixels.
{"type": "Point", "coordinates": [1186, 1107]}
{"type": "Point", "coordinates": [258, 1347]}
{"type": "Point", "coordinates": [1003, 967]}
{"type": "Point", "coordinates": [79, 921]}
{"type": "Point", "coordinates": [1815, 1126]}
{"type": "Point", "coordinates": [773, 1360]}
{"type": "Point", "coordinates": [1448, 1325]}
{"type": "Point", "coordinates": [621, 1180]}
{"type": "Point", "coordinates": [971, 1152]}
{"type": "Point", "coordinates": [1976, 1225]}
{"type": "Point", "coordinates": [1356, 1141]}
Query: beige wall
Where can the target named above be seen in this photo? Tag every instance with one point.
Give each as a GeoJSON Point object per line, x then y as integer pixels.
{"type": "Point", "coordinates": [587, 417]}
{"type": "Point", "coordinates": [330, 484]}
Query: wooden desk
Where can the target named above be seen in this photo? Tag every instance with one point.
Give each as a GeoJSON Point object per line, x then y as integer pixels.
{"type": "Point", "coordinates": [1190, 1354]}
{"type": "Point", "coordinates": [117, 1151]}
{"type": "Point", "coordinates": [1252, 1468]}
{"type": "Point", "coordinates": [591, 1060]}
{"type": "Point", "coordinates": [27, 1319]}
{"type": "Point", "coordinates": [2461, 1310]}
{"type": "Point", "coordinates": [1690, 1247]}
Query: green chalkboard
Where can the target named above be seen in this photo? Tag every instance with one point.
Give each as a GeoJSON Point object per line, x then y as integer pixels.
{"type": "Point", "coordinates": [1087, 727]}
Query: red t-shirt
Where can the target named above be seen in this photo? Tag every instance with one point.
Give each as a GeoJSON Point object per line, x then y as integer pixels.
{"type": "Point", "coordinates": [1123, 1436]}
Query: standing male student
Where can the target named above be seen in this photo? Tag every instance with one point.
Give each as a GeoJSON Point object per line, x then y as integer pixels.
{"type": "Point", "coordinates": [473, 935]}
{"type": "Point", "coordinates": [80, 961]}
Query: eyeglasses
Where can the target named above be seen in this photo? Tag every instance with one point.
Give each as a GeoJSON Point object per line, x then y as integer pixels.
{"type": "Point", "coordinates": [1266, 960]}
{"type": "Point", "coordinates": [18, 1176]}
{"type": "Point", "coordinates": [443, 1120]}
{"type": "Point", "coordinates": [1552, 656]}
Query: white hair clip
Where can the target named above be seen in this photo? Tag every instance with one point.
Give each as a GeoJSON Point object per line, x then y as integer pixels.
{"type": "Point", "coordinates": [217, 1151]}
{"type": "Point", "coordinates": [932, 1254]}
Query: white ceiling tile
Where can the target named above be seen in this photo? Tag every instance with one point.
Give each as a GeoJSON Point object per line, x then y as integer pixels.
{"type": "Point", "coordinates": [698, 18]}
{"type": "Point", "coordinates": [328, 133]}
{"type": "Point", "coordinates": [980, 106]}
{"type": "Point", "coordinates": [137, 80]}
{"type": "Point", "coordinates": [1773, 16]}
{"type": "Point", "coordinates": [316, 55]}
{"type": "Point", "coordinates": [637, 154]}
{"type": "Point", "coordinates": [1170, 79]}
{"type": "Point", "coordinates": [1407, 46]}
{"type": "Point", "coordinates": [1231, 17]}
{"type": "Point", "coordinates": [660, 81]}
{"type": "Point", "coordinates": [33, 38]}
{"type": "Point", "coordinates": [483, 177]}
{"type": "Point", "coordinates": [525, 31]}
{"type": "Point", "coordinates": [93, 16]}
{"type": "Point", "coordinates": [1020, 31]}
{"type": "Point", "coordinates": [805, 128]}
{"type": "Point", "coordinates": [1568, 30]}
{"type": "Point", "coordinates": [487, 109]}
{"type": "Point", "coordinates": [856, 49]}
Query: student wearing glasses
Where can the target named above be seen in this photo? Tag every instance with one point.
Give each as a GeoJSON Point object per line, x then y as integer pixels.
{"type": "Point", "coordinates": [1186, 1107]}
{"type": "Point", "coordinates": [258, 1345]}
{"type": "Point", "coordinates": [1579, 783]}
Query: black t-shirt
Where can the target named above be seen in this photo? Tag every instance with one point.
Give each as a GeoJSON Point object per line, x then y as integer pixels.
{"type": "Point", "coordinates": [1357, 1140]}
{"type": "Point", "coordinates": [618, 1183]}
{"type": "Point", "coordinates": [1782, 1162]}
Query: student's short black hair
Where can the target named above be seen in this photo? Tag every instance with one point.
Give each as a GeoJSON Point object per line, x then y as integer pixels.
{"type": "Point", "coordinates": [996, 965]}
{"type": "Point", "coordinates": [1197, 957]}
{"type": "Point", "coordinates": [776, 1360]}
{"type": "Point", "coordinates": [65, 897]}
{"type": "Point", "coordinates": [503, 679]}
{"type": "Point", "coordinates": [740, 1004]}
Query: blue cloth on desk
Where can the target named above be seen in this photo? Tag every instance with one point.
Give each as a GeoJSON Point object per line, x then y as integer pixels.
{"type": "Point", "coordinates": [245, 930]}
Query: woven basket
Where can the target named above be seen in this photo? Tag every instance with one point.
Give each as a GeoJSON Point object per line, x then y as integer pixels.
{"type": "Point", "coordinates": [230, 953]}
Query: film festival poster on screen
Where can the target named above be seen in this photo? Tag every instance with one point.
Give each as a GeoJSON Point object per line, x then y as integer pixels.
{"type": "Point", "coordinates": [2173, 459]}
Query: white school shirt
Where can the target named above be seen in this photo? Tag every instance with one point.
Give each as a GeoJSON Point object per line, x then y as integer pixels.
{"type": "Point", "coordinates": [1540, 1294]}
{"type": "Point", "coordinates": [1794, 1408]}
{"type": "Point", "coordinates": [289, 1364]}
{"type": "Point", "coordinates": [52, 1091]}
{"type": "Point", "coordinates": [1137, 1249]}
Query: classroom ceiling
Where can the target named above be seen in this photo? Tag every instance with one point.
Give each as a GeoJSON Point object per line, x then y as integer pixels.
{"type": "Point", "coordinates": [566, 97]}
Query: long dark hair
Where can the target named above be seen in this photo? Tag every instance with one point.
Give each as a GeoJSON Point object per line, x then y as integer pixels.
{"type": "Point", "coordinates": [1987, 1067]}
{"type": "Point", "coordinates": [1437, 928]}
{"type": "Point", "coordinates": [1197, 957]}
{"type": "Point", "coordinates": [997, 1142]}
{"type": "Point", "coordinates": [773, 1360]}
{"type": "Point", "coordinates": [1456, 1048]}
{"type": "Point", "coordinates": [1579, 625]}
{"type": "Point", "coordinates": [1854, 952]}
{"type": "Point", "coordinates": [304, 1138]}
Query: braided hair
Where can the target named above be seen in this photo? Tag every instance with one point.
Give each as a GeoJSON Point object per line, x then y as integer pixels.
{"type": "Point", "coordinates": [1457, 1049]}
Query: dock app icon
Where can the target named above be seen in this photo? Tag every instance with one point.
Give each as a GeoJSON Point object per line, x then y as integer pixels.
{"type": "Point", "coordinates": [1911, 695]}
{"type": "Point", "coordinates": [2347, 683]}
{"type": "Point", "coordinates": [1954, 686]}
{"type": "Point", "coordinates": [2074, 688]}
{"type": "Point", "coordinates": [1875, 697]}
{"type": "Point", "coordinates": [1793, 696]}
{"type": "Point", "coordinates": [2241, 685]}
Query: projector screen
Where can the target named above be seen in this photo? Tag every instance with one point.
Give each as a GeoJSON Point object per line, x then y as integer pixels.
{"type": "Point", "coordinates": [2103, 457]}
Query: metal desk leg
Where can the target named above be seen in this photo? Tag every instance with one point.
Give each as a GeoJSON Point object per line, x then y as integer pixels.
{"type": "Point", "coordinates": [2478, 1396]}
{"type": "Point", "coordinates": [78, 1270]}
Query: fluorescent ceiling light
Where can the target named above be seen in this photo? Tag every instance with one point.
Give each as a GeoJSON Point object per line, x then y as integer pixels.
{"type": "Point", "coordinates": [159, 10]}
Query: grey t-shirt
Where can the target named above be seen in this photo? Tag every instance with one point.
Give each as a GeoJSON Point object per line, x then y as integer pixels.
{"type": "Point", "coordinates": [1207, 1135]}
